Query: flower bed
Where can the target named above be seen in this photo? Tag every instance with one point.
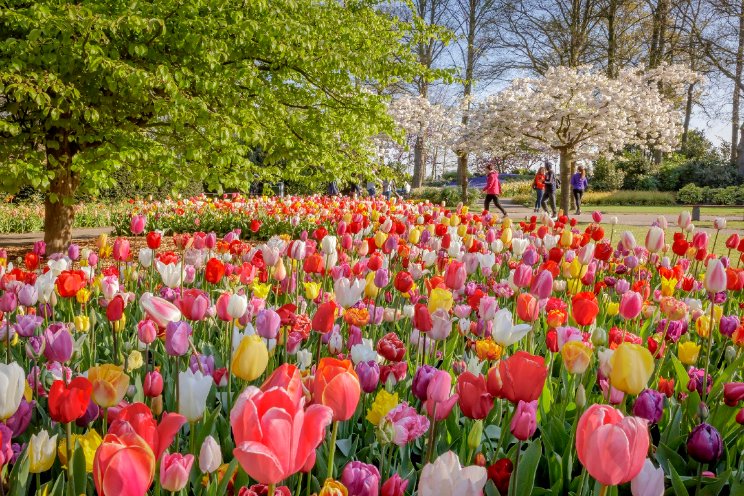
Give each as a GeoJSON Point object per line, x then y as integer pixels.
{"type": "Point", "coordinates": [373, 348]}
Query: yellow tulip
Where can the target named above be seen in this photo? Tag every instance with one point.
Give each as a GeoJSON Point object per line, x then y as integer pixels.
{"type": "Point", "coordinates": [576, 356]}
{"type": "Point", "coordinates": [574, 286]}
{"type": "Point", "coordinates": [462, 230]}
{"type": "Point", "coordinates": [688, 352]}
{"type": "Point", "coordinates": [380, 238]}
{"type": "Point", "coordinates": [333, 488]}
{"type": "Point", "coordinates": [446, 221]}
{"type": "Point", "coordinates": [90, 441]}
{"type": "Point", "coordinates": [83, 295]}
{"type": "Point", "coordinates": [370, 290]}
{"type": "Point", "coordinates": [455, 220]}
{"type": "Point", "coordinates": [261, 290]}
{"type": "Point", "coordinates": [566, 238]}
{"type": "Point", "coordinates": [465, 210]}
{"type": "Point", "coordinates": [702, 326]}
{"type": "Point", "coordinates": [250, 359]}
{"type": "Point", "coordinates": [668, 286]}
{"type": "Point", "coordinates": [613, 308]}
{"type": "Point", "coordinates": [383, 403]}
{"type": "Point", "coordinates": [414, 236]}
{"type": "Point", "coordinates": [120, 324]}
{"type": "Point", "coordinates": [506, 236]}
{"type": "Point", "coordinates": [632, 366]}
{"type": "Point", "coordinates": [134, 360]}
{"type": "Point", "coordinates": [312, 290]}
{"type": "Point", "coordinates": [506, 223]}
{"type": "Point", "coordinates": [110, 384]}
{"type": "Point", "coordinates": [467, 240]}
{"type": "Point", "coordinates": [440, 298]}
{"type": "Point", "coordinates": [41, 452]}
{"type": "Point", "coordinates": [82, 323]}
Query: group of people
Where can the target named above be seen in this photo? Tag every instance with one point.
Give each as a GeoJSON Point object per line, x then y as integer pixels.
{"type": "Point", "coordinates": [545, 184]}
{"type": "Point", "coordinates": [388, 189]}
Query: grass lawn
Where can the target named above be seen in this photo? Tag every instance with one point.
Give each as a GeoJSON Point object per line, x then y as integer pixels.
{"type": "Point", "coordinates": [737, 212]}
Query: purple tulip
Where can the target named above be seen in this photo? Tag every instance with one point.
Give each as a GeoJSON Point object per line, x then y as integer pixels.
{"type": "Point", "coordinates": [6, 451]}
{"type": "Point", "coordinates": [91, 415]}
{"type": "Point", "coordinates": [530, 256]}
{"type": "Point", "coordinates": [267, 324]}
{"type": "Point", "coordinates": [649, 405]}
{"type": "Point", "coordinates": [704, 443]}
{"type": "Point", "coordinates": [696, 381]}
{"type": "Point", "coordinates": [421, 380]}
{"type": "Point", "coordinates": [728, 325]}
{"type": "Point", "coordinates": [73, 251]}
{"type": "Point", "coordinates": [58, 343]}
{"type": "Point", "coordinates": [622, 286]}
{"type": "Point", "coordinates": [18, 422]}
{"type": "Point", "coordinates": [40, 248]}
{"type": "Point", "coordinates": [26, 325]}
{"type": "Point", "coordinates": [382, 278]}
{"type": "Point", "coordinates": [28, 295]}
{"type": "Point", "coordinates": [34, 347]}
{"type": "Point", "coordinates": [355, 337]}
{"type": "Point", "coordinates": [361, 479]}
{"type": "Point", "coordinates": [369, 375]}
{"type": "Point", "coordinates": [206, 361]}
{"type": "Point", "coordinates": [177, 336]}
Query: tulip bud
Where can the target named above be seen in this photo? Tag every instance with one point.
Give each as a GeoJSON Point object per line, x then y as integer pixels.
{"type": "Point", "coordinates": [153, 384]}
{"type": "Point", "coordinates": [475, 435]}
{"type": "Point", "coordinates": [730, 354]}
{"type": "Point", "coordinates": [703, 411]}
{"type": "Point", "coordinates": [210, 456]}
{"type": "Point", "coordinates": [580, 396]}
{"type": "Point", "coordinates": [599, 337]}
{"type": "Point", "coordinates": [156, 405]}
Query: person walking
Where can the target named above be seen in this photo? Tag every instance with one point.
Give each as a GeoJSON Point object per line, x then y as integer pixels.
{"type": "Point", "coordinates": [538, 184]}
{"type": "Point", "coordinates": [579, 183]}
{"type": "Point", "coordinates": [493, 190]}
{"type": "Point", "coordinates": [551, 185]}
{"type": "Point", "coordinates": [333, 188]}
{"type": "Point", "coordinates": [371, 188]}
{"type": "Point", "coordinates": [388, 185]}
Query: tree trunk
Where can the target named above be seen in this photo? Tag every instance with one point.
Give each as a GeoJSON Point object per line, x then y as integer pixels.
{"type": "Point", "coordinates": [419, 166]}
{"type": "Point", "coordinates": [688, 115]}
{"type": "Point", "coordinates": [566, 164]}
{"type": "Point", "coordinates": [735, 101]}
{"type": "Point", "coordinates": [611, 39]}
{"type": "Point", "coordinates": [58, 210]}
{"type": "Point", "coordinates": [462, 175]}
{"type": "Point", "coordinates": [740, 152]}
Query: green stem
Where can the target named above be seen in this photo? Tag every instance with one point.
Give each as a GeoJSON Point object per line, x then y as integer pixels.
{"type": "Point", "coordinates": [272, 489]}
{"type": "Point", "coordinates": [513, 484]}
{"type": "Point", "coordinates": [68, 434]}
{"type": "Point", "coordinates": [432, 434]}
{"type": "Point", "coordinates": [332, 449]}
{"type": "Point", "coordinates": [602, 490]}
{"type": "Point", "coordinates": [710, 347]}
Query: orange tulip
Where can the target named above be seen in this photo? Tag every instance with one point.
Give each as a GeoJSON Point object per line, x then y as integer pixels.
{"type": "Point", "coordinates": [124, 465]}
{"type": "Point", "coordinates": [527, 308]}
{"type": "Point", "coordinates": [584, 308]}
{"type": "Point", "coordinates": [337, 386]}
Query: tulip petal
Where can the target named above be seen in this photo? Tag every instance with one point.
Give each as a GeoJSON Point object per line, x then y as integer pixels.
{"type": "Point", "coordinates": [609, 456]}
{"type": "Point", "coordinates": [169, 426]}
{"type": "Point", "coordinates": [311, 433]}
{"type": "Point", "coordinates": [259, 462]}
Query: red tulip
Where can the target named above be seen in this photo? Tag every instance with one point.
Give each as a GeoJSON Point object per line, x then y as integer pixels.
{"type": "Point", "coordinates": [31, 260]}
{"type": "Point", "coordinates": [474, 399]}
{"type": "Point", "coordinates": [403, 281]}
{"type": "Point", "coordinates": [336, 386]}
{"type": "Point", "coordinates": [68, 402]}
{"type": "Point", "coordinates": [214, 271]}
{"type": "Point", "coordinates": [519, 377]}
{"type": "Point", "coordinates": [585, 308]}
{"type": "Point", "coordinates": [324, 317]}
{"type": "Point", "coordinates": [422, 318]}
{"type": "Point", "coordinates": [69, 282]}
{"type": "Point", "coordinates": [153, 240]}
{"type": "Point", "coordinates": [391, 347]}
{"type": "Point", "coordinates": [287, 377]}
{"type": "Point", "coordinates": [123, 465]}
{"type": "Point", "coordinates": [314, 264]}
{"type": "Point", "coordinates": [455, 275]}
{"type": "Point", "coordinates": [115, 309]}
{"type": "Point", "coordinates": [500, 474]}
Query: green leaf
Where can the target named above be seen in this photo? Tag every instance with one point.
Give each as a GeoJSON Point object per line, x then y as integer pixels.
{"type": "Point", "coordinates": [80, 475]}
{"type": "Point", "coordinates": [231, 469]}
{"type": "Point", "coordinates": [527, 468]}
{"type": "Point", "coordinates": [19, 475]}
{"type": "Point", "coordinates": [677, 484]}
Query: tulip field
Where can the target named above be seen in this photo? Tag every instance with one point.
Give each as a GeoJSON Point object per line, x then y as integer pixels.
{"type": "Point", "coordinates": [342, 347]}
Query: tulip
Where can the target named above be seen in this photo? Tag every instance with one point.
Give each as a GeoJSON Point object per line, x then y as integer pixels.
{"type": "Point", "coordinates": [369, 375]}
{"type": "Point", "coordinates": [630, 305]}
{"type": "Point", "coordinates": [41, 452]}
{"type": "Point", "coordinates": [655, 239]}
{"type": "Point", "coordinates": [250, 359]}
{"type": "Point", "coordinates": [733, 393]}
{"type": "Point", "coordinates": [394, 486]}
{"type": "Point", "coordinates": [159, 310]}
{"type": "Point", "coordinates": [576, 356]}
{"type": "Point", "coordinates": [441, 325]}
{"type": "Point", "coordinates": [584, 308]}
{"type": "Point", "coordinates": [688, 352]}
{"type": "Point", "coordinates": [58, 343]}
{"type": "Point", "coordinates": [524, 421]}
{"type": "Point", "coordinates": [542, 284]}
{"type": "Point", "coordinates": [446, 477]}
{"type": "Point", "coordinates": [455, 275]}
{"type": "Point", "coordinates": [174, 471]}
{"type": "Point", "coordinates": [336, 386]}
{"type": "Point", "coordinates": [123, 465]}
{"type": "Point", "coordinates": [704, 444]}
{"type": "Point", "coordinates": [715, 276]}
{"type": "Point", "coordinates": [12, 384]}
{"type": "Point", "coordinates": [137, 224]}
{"type": "Point", "coordinates": [521, 377]}
{"type": "Point", "coordinates": [267, 324]}
{"type": "Point", "coordinates": [348, 293]}
{"type": "Point", "coordinates": [153, 384]}
{"type": "Point", "coordinates": [28, 295]}
{"type": "Point", "coordinates": [602, 427]}
{"type": "Point", "coordinates": [68, 402]}
{"type": "Point", "coordinates": [110, 384]}
{"type": "Point", "coordinates": [214, 271]}
{"type": "Point", "coordinates": [503, 332]}
{"type": "Point", "coordinates": [257, 420]}
{"type": "Point", "coordinates": [649, 481]}
{"type": "Point", "coordinates": [147, 331]}
{"type": "Point", "coordinates": [193, 389]}
{"type": "Point", "coordinates": [649, 405]}
{"type": "Point", "coordinates": [361, 479]}
{"type": "Point", "coordinates": [139, 417]}
{"type": "Point", "coordinates": [474, 399]}
{"type": "Point", "coordinates": [194, 304]}
{"type": "Point", "coordinates": [177, 335]}
{"type": "Point", "coordinates": [210, 456]}
{"type": "Point", "coordinates": [632, 366]}
{"type": "Point", "coordinates": [324, 317]}
{"type": "Point", "coordinates": [527, 307]}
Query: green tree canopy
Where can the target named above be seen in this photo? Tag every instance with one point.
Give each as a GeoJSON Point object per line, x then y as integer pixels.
{"type": "Point", "coordinates": [186, 89]}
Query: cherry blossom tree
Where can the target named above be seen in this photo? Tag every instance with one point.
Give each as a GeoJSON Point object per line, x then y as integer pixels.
{"type": "Point", "coordinates": [580, 113]}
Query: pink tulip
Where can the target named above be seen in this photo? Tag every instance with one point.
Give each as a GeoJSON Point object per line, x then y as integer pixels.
{"type": "Point", "coordinates": [121, 251]}
{"type": "Point", "coordinates": [137, 224]}
{"type": "Point", "coordinates": [159, 310]}
{"type": "Point", "coordinates": [522, 275]}
{"type": "Point", "coordinates": [610, 446]}
{"type": "Point", "coordinates": [628, 240]}
{"type": "Point", "coordinates": [174, 471]}
{"type": "Point", "coordinates": [715, 276]}
{"type": "Point", "coordinates": [223, 302]}
{"type": "Point", "coordinates": [700, 240]}
{"type": "Point", "coordinates": [524, 421]}
{"type": "Point", "coordinates": [684, 219]}
{"type": "Point", "coordinates": [630, 305]}
{"type": "Point", "coordinates": [455, 275]}
{"type": "Point", "coordinates": [655, 239]}
{"type": "Point", "coordinates": [275, 436]}
{"type": "Point", "coordinates": [124, 465]}
{"type": "Point", "coordinates": [542, 284]}
{"type": "Point", "coordinates": [597, 216]}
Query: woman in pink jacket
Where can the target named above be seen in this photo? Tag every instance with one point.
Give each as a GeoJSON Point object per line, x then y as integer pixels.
{"type": "Point", "coordinates": [493, 190]}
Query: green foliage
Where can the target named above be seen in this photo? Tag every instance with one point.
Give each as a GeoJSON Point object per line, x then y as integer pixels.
{"type": "Point", "coordinates": [182, 93]}
{"type": "Point", "coordinates": [448, 194]}
{"type": "Point", "coordinates": [29, 216]}
{"type": "Point", "coordinates": [692, 194]}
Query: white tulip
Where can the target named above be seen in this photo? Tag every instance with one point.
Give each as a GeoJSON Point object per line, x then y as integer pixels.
{"type": "Point", "coordinates": [210, 456]}
{"type": "Point", "coordinates": [41, 451]}
{"type": "Point", "coordinates": [172, 274]}
{"type": "Point", "coordinates": [446, 477]}
{"type": "Point", "coordinates": [12, 383]}
{"type": "Point", "coordinates": [145, 257]}
{"type": "Point", "coordinates": [237, 305]}
{"type": "Point", "coordinates": [193, 389]}
{"type": "Point", "coordinates": [504, 333]}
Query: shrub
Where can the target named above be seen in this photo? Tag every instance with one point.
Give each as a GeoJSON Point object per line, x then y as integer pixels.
{"type": "Point", "coordinates": [607, 176]}
{"type": "Point", "coordinates": [690, 194]}
{"type": "Point", "coordinates": [449, 194]}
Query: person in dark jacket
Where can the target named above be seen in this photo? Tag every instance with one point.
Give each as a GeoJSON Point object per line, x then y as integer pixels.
{"type": "Point", "coordinates": [551, 185]}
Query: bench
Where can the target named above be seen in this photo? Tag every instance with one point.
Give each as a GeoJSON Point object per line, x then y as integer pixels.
{"type": "Point", "coordinates": [696, 210]}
